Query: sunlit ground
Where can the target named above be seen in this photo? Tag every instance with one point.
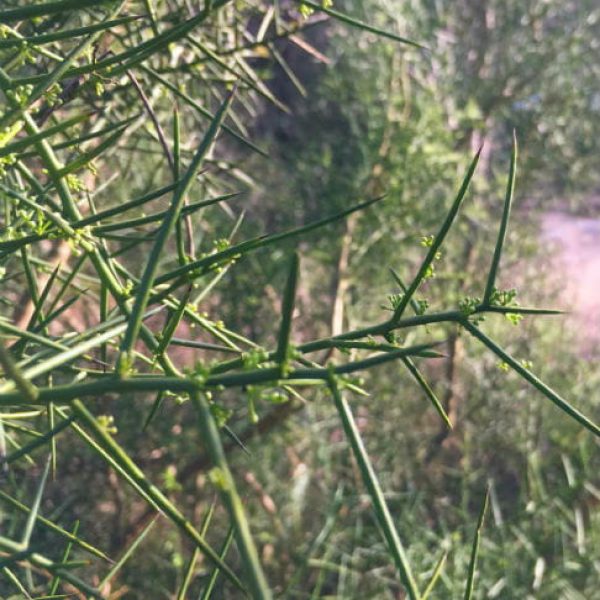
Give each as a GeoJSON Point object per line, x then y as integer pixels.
{"type": "Point", "coordinates": [576, 260]}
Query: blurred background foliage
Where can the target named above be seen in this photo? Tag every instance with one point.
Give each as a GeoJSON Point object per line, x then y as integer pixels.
{"type": "Point", "coordinates": [379, 119]}
{"type": "Point", "coordinates": [345, 115]}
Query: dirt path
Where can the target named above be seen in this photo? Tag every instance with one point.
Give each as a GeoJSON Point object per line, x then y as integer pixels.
{"type": "Point", "coordinates": [577, 256]}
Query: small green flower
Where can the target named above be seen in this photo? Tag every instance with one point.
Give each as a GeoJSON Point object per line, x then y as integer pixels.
{"type": "Point", "coordinates": [221, 244]}
{"type": "Point", "coordinates": [127, 288]}
{"type": "Point", "coordinates": [422, 306]}
{"type": "Point", "coordinates": [395, 300]}
{"type": "Point", "coordinates": [427, 241]}
{"type": "Point", "coordinates": [306, 11]}
{"type": "Point", "coordinates": [503, 297]}
{"type": "Point", "coordinates": [514, 318]}
{"type": "Point", "coordinates": [220, 414]}
{"type": "Point", "coordinates": [256, 356]}
{"type": "Point", "coordinates": [199, 374]}
{"type": "Point", "coordinates": [107, 423]}
{"type": "Point", "coordinates": [125, 364]}
{"type": "Point", "coordinates": [275, 397]}
{"type": "Point", "coordinates": [219, 479]}
{"type": "Point", "coordinates": [98, 87]}
{"type": "Point", "coordinates": [52, 94]}
{"type": "Point", "coordinates": [429, 273]}
{"type": "Point", "coordinates": [169, 478]}
{"type": "Point", "coordinates": [469, 305]}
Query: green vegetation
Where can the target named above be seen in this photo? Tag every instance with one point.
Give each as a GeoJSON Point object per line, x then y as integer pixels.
{"type": "Point", "coordinates": [245, 251]}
